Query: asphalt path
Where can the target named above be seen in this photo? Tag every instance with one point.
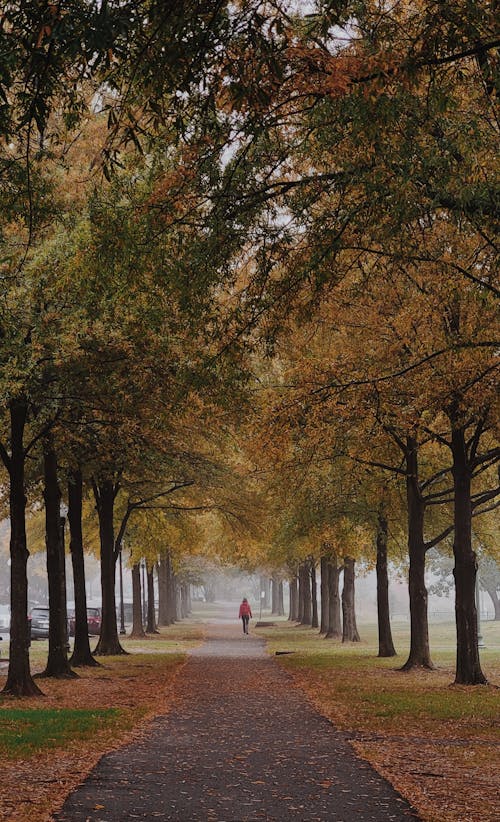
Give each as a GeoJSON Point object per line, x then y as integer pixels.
{"type": "Point", "coordinates": [240, 743]}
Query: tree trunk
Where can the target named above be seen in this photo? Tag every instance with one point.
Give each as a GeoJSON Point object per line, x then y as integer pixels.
{"type": "Point", "coordinates": [323, 564]}
{"type": "Point", "coordinates": [187, 596]}
{"type": "Point", "coordinates": [109, 644]}
{"type": "Point", "coordinates": [163, 615]}
{"type": "Point", "coordinates": [468, 667]}
{"type": "Point", "coordinates": [151, 620]}
{"type": "Point", "coordinates": [281, 604]}
{"type": "Point", "coordinates": [349, 628]}
{"type": "Point", "coordinates": [172, 591]}
{"type": "Point", "coordinates": [275, 596]}
{"type": "Point", "coordinates": [314, 595]}
{"type": "Point", "coordinates": [306, 586]}
{"type": "Point", "coordinates": [419, 656]}
{"type": "Point", "coordinates": [178, 598]}
{"type": "Point", "coordinates": [19, 680]}
{"type": "Point", "coordinates": [137, 623]}
{"type": "Point", "coordinates": [385, 643]}
{"type": "Point", "coordinates": [334, 630]}
{"type": "Point", "coordinates": [57, 662]}
{"type": "Point", "coordinates": [300, 597]}
{"type": "Point", "coordinates": [82, 655]}
{"type": "Point", "coordinates": [182, 601]}
{"type": "Point", "coordinates": [185, 599]}
{"type": "Point", "coordinates": [294, 599]}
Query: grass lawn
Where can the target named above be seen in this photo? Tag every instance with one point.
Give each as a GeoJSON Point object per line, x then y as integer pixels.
{"type": "Point", "coordinates": [437, 743]}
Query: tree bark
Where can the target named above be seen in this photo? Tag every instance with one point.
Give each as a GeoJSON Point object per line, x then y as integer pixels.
{"type": "Point", "coordinates": [109, 644]}
{"type": "Point", "coordinates": [385, 643]}
{"type": "Point", "coordinates": [419, 656]}
{"type": "Point", "coordinates": [275, 596]}
{"type": "Point", "coordinates": [173, 614]}
{"type": "Point", "coordinates": [306, 586]}
{"type": "Point", "coordinates": [281, 605]}
{"type": "Point", "coordinates": [468, 665]}
{"type": "Point", "coordinates": [137, 631]}
{"type": "Point", "coordinates": [163, 615]}
{"type": "Point", "coordinates": [314, 594]}
{"type": "Point", "coordinates": [151, 620]}
{"type": "Point", "coordinates": [82, 655]}
{"type": "Point", "coordinates": [300, 594]}
{"type": "Point", "coordinates": [57, 662]}
{"type": "Point", "coordinates": [349, 628]}
{"type": "Point", "coordinates": [323, 564]}
{"type": "Point", "coordinates": [334, 629]}
{"type": "Point", "coordinates": [19, 680]}
{"type": "Point", "coordinates": [294, 599]}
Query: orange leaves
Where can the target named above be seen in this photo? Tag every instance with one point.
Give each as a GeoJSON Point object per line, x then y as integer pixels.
{"type": "Point", "coordinates": [319, 73]}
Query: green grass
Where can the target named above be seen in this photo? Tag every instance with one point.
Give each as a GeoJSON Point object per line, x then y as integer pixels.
{"type": "Point", "coordinates": [435, 705]}
{"type": "Point", "coordinates": [176, 639]}
{"type": "Point", "coordinates": [350, 680]}
{"type": "Point", "coordinates": [26, 731]}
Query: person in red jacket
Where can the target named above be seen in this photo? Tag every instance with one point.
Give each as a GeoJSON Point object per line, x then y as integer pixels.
{"type": "Point", "coordinates": [245, 614]}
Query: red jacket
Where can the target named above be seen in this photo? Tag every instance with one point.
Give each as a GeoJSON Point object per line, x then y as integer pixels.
{"type": "Point", "coordinates": [245, 610]}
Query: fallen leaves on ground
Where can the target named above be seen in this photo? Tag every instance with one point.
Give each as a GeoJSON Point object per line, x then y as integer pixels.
{"type": "Point", "coordinates": [140, 685]}
{"type": "Point", "coordinates": [446, 768]}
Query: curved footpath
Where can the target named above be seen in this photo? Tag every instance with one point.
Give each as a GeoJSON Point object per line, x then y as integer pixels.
{"type": "Point", "coordinates": [241, 742]}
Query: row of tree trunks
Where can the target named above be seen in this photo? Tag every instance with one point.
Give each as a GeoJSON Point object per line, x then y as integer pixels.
{"type": "Point", "coordinates": [306, 612]}
{"type": "Point", "coordinates": [167, 591]}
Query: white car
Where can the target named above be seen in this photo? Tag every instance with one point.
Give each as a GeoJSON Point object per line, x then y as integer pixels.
{"type": "Point", "coordinates": [4, 618]}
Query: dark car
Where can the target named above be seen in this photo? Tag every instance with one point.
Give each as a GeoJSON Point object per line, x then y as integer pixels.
{"type": "Point", "coordinates": [39, 623]}
{"type": "Point", "coordinates": [93, 622]}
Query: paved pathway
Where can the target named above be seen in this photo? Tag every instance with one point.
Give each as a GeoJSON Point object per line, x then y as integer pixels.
{"type": "Point", "coordinates": [241, 743]}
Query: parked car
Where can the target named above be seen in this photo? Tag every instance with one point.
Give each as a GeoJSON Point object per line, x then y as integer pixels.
{"type": "Point", "coordinates": [39, 623]}
{"type": "Point", "coordinates": [4, 618]}
{"type": "Point", "coordinates": [93, 622]}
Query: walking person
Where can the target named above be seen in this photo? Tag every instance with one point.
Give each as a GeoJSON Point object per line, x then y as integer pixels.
{"type": "Point", "coordinates": [245, 614]}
